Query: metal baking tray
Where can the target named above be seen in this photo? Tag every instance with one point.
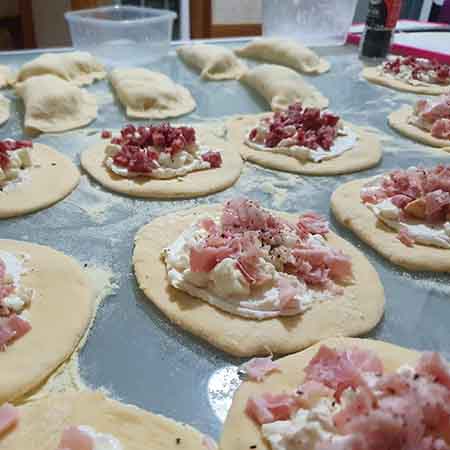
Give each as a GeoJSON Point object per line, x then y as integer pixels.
{"type": "Point", "coordinates": [133, 350]}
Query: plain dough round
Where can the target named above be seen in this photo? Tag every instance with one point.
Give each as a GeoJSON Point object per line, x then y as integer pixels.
{"type": "Point", "coordinates": [52, 177]}
{"type": "Point", "coordinates": [4, 109]}
{"type": "Point", "coordinates": [194, 184]}
{"type": "Point", "coordinates": [354, 313]}
{"type": "Point", "coordinates": [60, 314]}
{"type": "Point", "coordinates": [240, 432]}
{"type": "Point", "coordinates": [352, 213]}
{"type": "Point", "coordinates": [398, 120]}
{"type": "Point", "coordinates": [371, 74]}
{"type": "Point", "coordinates": [42, 423]}
{"type": "Point", "coordinates": [367, 152]}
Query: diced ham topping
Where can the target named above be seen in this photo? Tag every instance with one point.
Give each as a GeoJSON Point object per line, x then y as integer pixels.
{"type": "Point", "coordinates": [9, 417]}
{"type": "Point", "coordinates": [422, 69]}
{"type": "Point", "coordinates": [404, 410]}
{"type": "Point", "coordinates": [73, 438]}
{"type": "Point", "coordinates": [305, 127]}
{"type": "Point", "coordinates": [405, 237]}
{"type": "Point", "coordinates": [11, 329]}
{"type": "Point", "coordinates": [140, 147]}
{"type": "Point", "coordinates": [257, 368]}
{"type": "Point", "coordinates": [420, 194]}
{"type": "Point", "coordinates": [10, 145]}
{"type": "Point", "coordinates": [248, 234]}
{"type": "Point", "coordinates": [434, 116]}
{"type": "Point", "coordinates": [106, 134]}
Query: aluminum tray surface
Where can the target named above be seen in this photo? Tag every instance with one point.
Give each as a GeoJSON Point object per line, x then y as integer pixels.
{"type": "Point", "coordinates": [133, 350]}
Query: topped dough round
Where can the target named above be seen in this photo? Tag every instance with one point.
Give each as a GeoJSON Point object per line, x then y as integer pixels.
{"type": "Point", "coordinates": [365, 154]}
{"type": "Point", "coordinates": [42, 423]}
{"type": "Point", "coordinates": [51, 177]}
{"type": "Point", "coordinates": [194, 184]}
{"type": "Point", "coordinates": [60, 312]}
{"type": "Point", "coordinates": [351, 212]}
{"type": "Point", "coordinates": [355, 312]}
{"type": "Point", "coordinates": [241, 432]}
{"type": "Point", "coordinates": [372, 74]}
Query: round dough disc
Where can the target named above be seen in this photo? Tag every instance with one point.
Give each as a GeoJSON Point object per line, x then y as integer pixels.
{"type": "Point", "coordinates": [42, 422]}
{"type": "Point", "coordinates": [352, 213]}
{"type": "Point", "coordinates": [53, 176]}
{"type": "Point", "coordinates": [354, 313]}
{"type": "Point", "coordinates": [194, 184]}
{"type": "Point", "coordinates": [371, 74]}
{"type": "Point", "coordinates": [367, 152]}
{"type": "Point", "coordinates": [398, 120]}
{"type": "Point", "coordinates": [60, 313]}
{"type": "Point", "coordinates": [241, 432]}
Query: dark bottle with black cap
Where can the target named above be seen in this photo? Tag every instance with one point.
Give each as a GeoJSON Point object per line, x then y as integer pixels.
{"type": "Point", "coordinates": [381, 20]}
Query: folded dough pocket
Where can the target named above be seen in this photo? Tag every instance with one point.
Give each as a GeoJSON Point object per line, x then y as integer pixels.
{"type": "Point", "coordinates": [77, 67]}
{"type": "Point", "coordinates": [282, 86]}
{"type": "Point", "coordinates": [285, 52]}
{"type": "Point", "coordinates": [54, 105]}
{"type": "Point", "coordinates": [213, 62]}
{"type": "Point", "coordinates": [151, 95]}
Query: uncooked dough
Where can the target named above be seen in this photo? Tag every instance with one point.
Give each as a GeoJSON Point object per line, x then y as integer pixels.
{"type": "Point", "coordinates": [150, 95]}
{"type": "Point", "coordinates": [349, 210]}
{"type": "Point", "coordinates": [285, 52]}
{"type": "Point", "coordinates": [282, 86]}
{"type": "Point", "coordinates": [6, 76]}
{"type": "Point", "coordinates": [194, 184]}
{"type": "Point", "coordinates": [52, 177]}
{"type": "Point", "coordinates": [372, 74]}
{"type": "Point", "coordinates": [77, 67]}
{"type": "Point", "coordinates": [367, 152]}
{"type": "Point", "coordinates": [53, 105]}
{"type": "Point", "coordinates": [354, 313]}
{"type": "Point", "coordinates": [213, 62]}
{"type": "Point", "coordinates": [4, 109]}
{"type": "Point", "coordinates": [42, 422]}
{"type": "Point", "coordinates": [240, 432]}
{"type": "Point", "coordinates": [60, 313]}
{"type": "Point", "coordinates": [399, 121]}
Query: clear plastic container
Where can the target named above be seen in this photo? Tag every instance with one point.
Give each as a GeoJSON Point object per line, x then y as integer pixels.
{"type": "Point", "coordinates": [313, 22]}
{"type": "Point", "coordinates": [122, 35]}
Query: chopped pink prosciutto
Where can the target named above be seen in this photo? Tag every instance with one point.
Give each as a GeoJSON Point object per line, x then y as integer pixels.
{"type": "Point", "coordinates": [423, 69]}
{"type": "Point", "coordinates": [12, 328]}
{"type": "Point", "coordinates": [248, 234]}
{"type": "Point", "coordinates": [404, 410]}
{"type": "Point", "coordinates": [257, 368]}
{"type": "Point", "coordinates": [9, 417]}
{"type": "Point", "coordinates": [434, 116]}
{"type": "Point", "coordinates": [269, 408]}
{"type": "Point", "coordinates": [405, 187]}
{"type": "Point", "coordinates": [73, 438]}
{"type": "Point", "coordinates": [9, 145]}
{"type": "Point", "coordinates": [307, 127]}
{"type": "Point", "coordinates": [404, 236]}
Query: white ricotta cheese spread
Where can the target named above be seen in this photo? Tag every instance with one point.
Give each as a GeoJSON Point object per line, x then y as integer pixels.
{"type": "Point", "coordinates": [14, 269]}
{"type": "Point", "coordinates": [226, 288]}
{"type": "Point", "coordinates": [102, 441]}
{"type": "Point", "coordinates": [184, 162]}
{"type": "Point", "coordinates": [344, 142]}
{"type": "Point", "coordinates": [19, 161]}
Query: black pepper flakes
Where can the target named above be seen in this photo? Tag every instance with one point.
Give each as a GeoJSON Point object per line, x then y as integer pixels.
{"type": "Point", "coordinates": [253, 446]}
{"type": "Point", "coordinates": [178, 441]}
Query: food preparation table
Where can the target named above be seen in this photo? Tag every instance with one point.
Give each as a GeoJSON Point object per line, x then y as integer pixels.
{"type": "Point", "coordinates": [133, 350]}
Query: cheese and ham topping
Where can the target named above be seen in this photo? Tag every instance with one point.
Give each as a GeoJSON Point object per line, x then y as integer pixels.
{"type": "Point", "coordinates": [347, 402]}
{"type": "Point", "coordinates": [433, 116]}
{"type": "Point", "coordinates": [9, 418]}
{"type": "Point", "coordinates": [14, 299]}
{"type": "Point", "coordinates": [415, 202]}
{"type": "Point", "coordinates": [303, 133]}
{"type": "Point", "coordinates": [14, 159]}
{"type": "Point", "coordinates": [158, 151]}
{"type": "Point", "coordinates": [254, 264]}
{"type": "Point", "coordinates": [417, 71]}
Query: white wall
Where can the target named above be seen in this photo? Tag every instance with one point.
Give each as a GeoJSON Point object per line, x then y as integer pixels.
{"type": "Point", "coordinates": [236, 11]}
